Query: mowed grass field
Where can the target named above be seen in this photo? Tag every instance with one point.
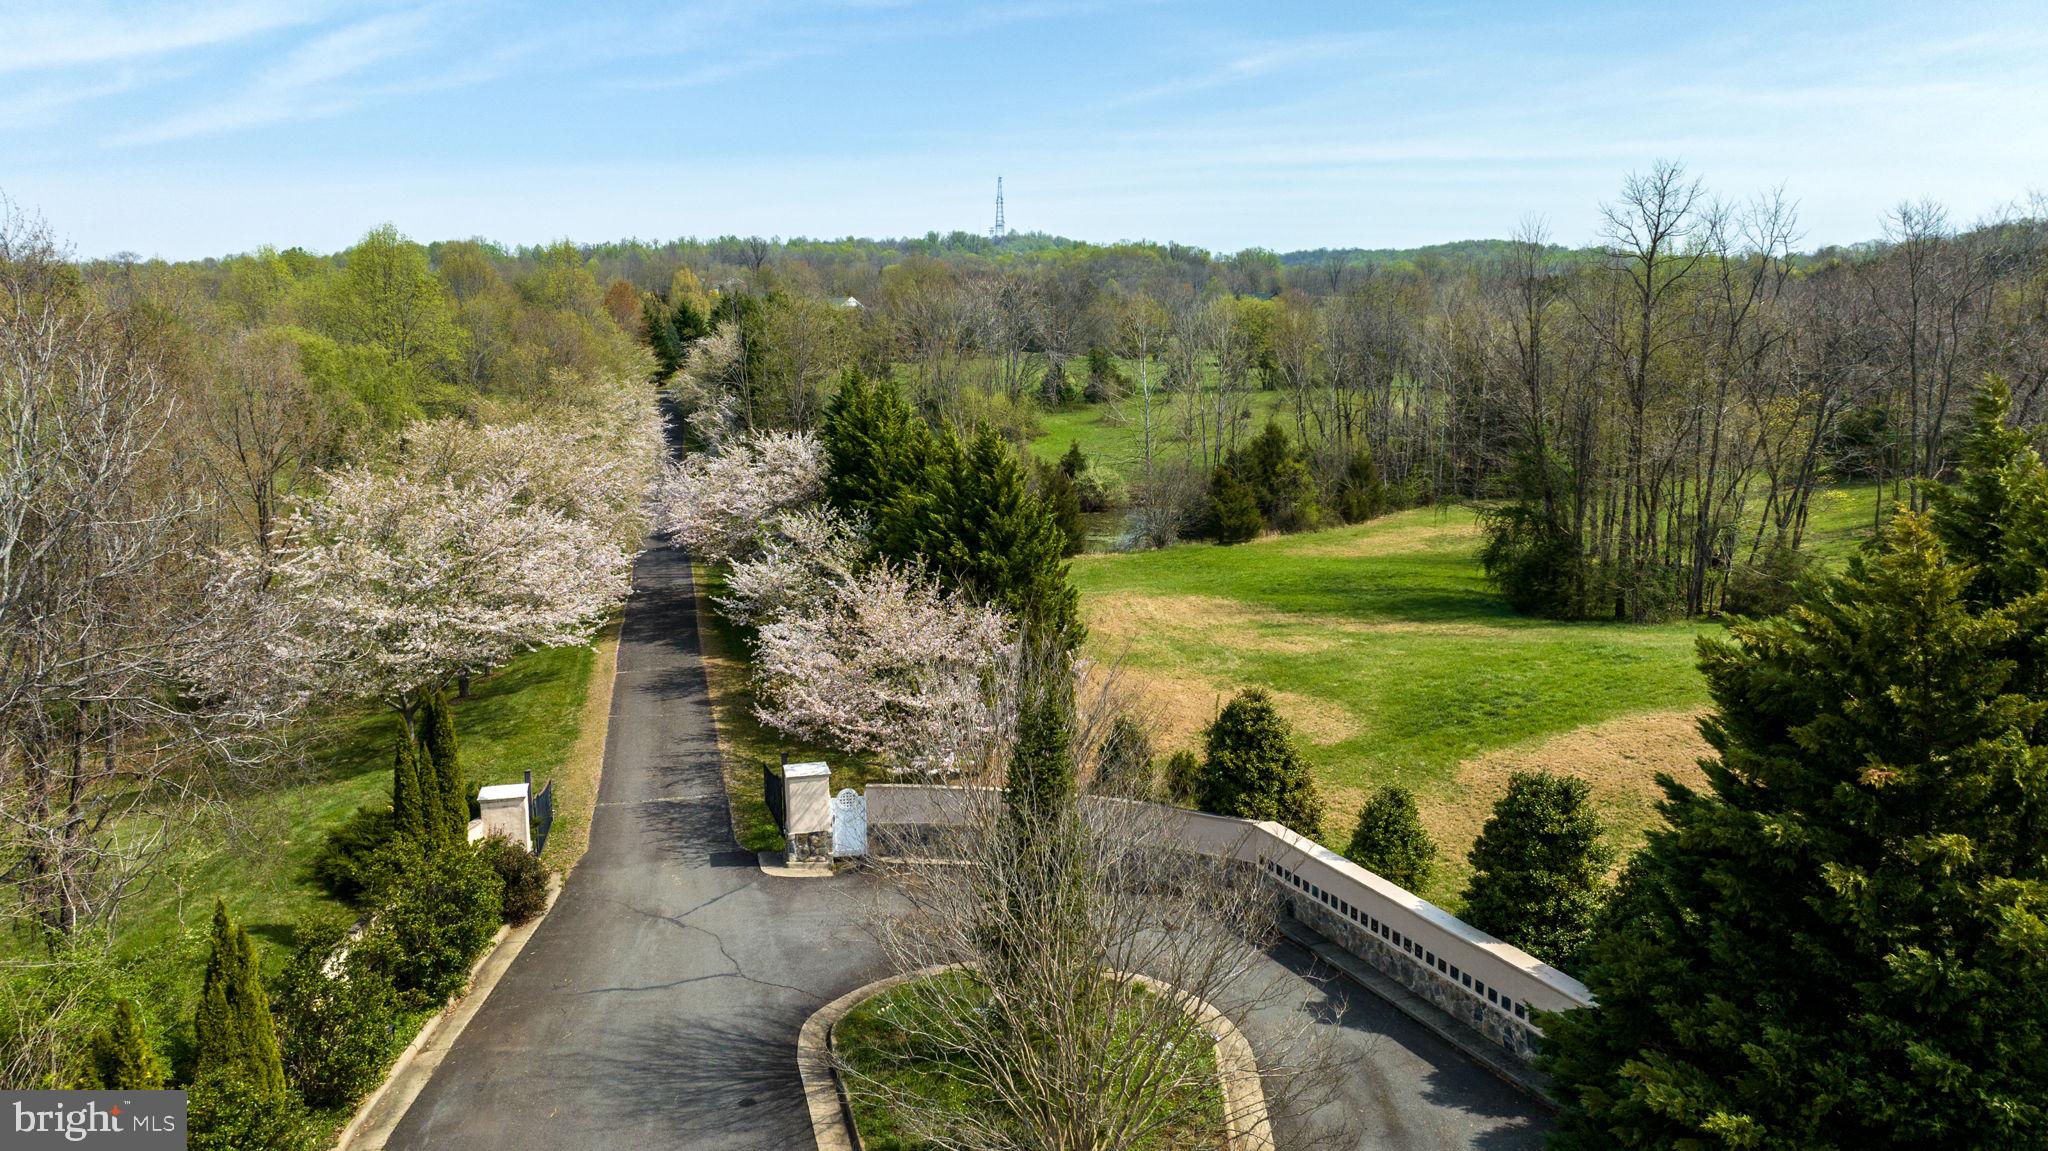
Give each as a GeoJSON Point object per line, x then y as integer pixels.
{"type": "Point", "coordinates": [1397, 664]}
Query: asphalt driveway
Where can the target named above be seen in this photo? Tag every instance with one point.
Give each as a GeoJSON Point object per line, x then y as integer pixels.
{"type": "Point", "coordinates": [658, 1004]}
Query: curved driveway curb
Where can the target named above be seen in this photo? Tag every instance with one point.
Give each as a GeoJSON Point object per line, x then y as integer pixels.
{"type": "Point", "coordinates": [1244, 1103]}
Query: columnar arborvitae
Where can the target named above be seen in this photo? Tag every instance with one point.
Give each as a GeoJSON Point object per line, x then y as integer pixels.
{"type": "Point", "coordinates": [441, 769]}
{"type": "Point", "coordinates": [1037, 861]}
{"type": "Point", "coordinates": [1252, 770]}
{"type": "Point", "coordinates": [1041, 779]}
{"type": "Point", "coordinates": [1843, 941]}
{"type": "Point", "coordinates": [233, 1036]}
{"type": "Point", "coordinates": [412, 818]}
{"type": "Point", "coordinates": [122, 1056]}
{"type": "Point", "coordinates": [1539, 868]}
{"type": "Point", "coordinates": [1389, 839]}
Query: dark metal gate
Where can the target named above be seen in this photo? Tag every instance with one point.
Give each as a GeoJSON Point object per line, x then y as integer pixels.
{"type": "Point", "coordinates": [541, 812]}
{"type": "Point", "coordinates": [771, 791]}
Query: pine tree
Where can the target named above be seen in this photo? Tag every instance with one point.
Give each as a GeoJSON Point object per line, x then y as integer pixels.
{"type": "Point", "coordinates": [1361, 494]}
{"type": "Point", "coordinates": [876, 449]}
{"type": "Point", "coordinates": [1993, 516]}
{"type": "Point", "coordinates": [1041, 779]}
{"type": "Point", "coordinates": [1539, 867]}
{"type": "Point", "coordinates": [412, 816]}
{"type": "Point", "coordinates": [1842, 942]}
{"type": "Point", "coordinates": [122, 1055]}
{"type": "Point", "coordinates": [1073, 462]}
{"type": "Point", "coordinates": [1234, 515]}
{"type": "Point", "coordinates": [445, 794]}
{"type": "Point", "coordinates": [990, 536]}
{"type": "Point", "coordinates": [1389, 839]}
{"type": "Point", "coordinates": [661, 338]}
{"type": "Point", "coordinates": [1063, 503]}
{"type": "Point", "coordinates": [233, 1035]}
{"type": "Point", "coordinates": [1252, 769]}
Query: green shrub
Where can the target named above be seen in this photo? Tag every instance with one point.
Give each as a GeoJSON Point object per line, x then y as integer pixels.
{"type": "Point", "coordinates": [1252, 769]}
{"type": "Point", "coordinates": [523, 877]}
{"type": "Point", "coordinates": [1183, 777]}
{"type": "Point", "coordinates": [441, 911]}
{"type": "Point", "coordinates": [335, 1013]}
{"type": "Point", "coordinates": [1233, 509]}
{"type": "Point", "coordinates": [55, 1012]}
{"type": "Point", "coordinates": [1100, 489]}
{"type": "Point", "coordinates": [1123, 765]}
{"type": "Point", "coordinates": [352, 856]}
{"type": "Point", "coordinates": [1389, 839]}
{"type": "Point", "coordinates": [224, 1112]}
{"type": "Point", "coordinates": [122, 1055]}
{"type": "Point", "coordinates": [1539, 868]}
{"type": "Point", "coordinates": [1361, 494]}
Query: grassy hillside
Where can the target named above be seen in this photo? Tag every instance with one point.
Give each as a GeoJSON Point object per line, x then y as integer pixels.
{"type": "Point", "coordinates": [527, 716]}
{"type": "Point", "coordinates": [1397, 664]}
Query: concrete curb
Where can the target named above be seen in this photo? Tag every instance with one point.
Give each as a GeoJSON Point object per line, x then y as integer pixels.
{"type": "Point", "coordinates": [1470, 1043]}
{"type": "Point", "coordinates": [776, 863]}
{"type": "Point", "coordinates": [380, 1114]}
{"type": "Point", "coordinates": [1248, 1127]}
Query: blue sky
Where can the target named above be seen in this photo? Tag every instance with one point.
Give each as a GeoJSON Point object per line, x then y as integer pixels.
{"type": "Point", "coordinates": [213, 126]}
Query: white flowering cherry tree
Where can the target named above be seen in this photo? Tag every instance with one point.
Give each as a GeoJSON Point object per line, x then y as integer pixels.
{"type": "Point", "coordinates": [405, 584]}
{"type": "Point", "coordinates": [888, 664]}
{"type": "Point", "coordinates": [714, 505]}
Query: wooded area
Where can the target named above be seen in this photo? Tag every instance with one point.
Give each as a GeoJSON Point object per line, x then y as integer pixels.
{"type": "Point", "coordinates": [1656, 410]}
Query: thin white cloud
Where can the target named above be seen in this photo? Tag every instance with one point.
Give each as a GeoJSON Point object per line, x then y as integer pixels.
{"type": "Point", "coordinates": [320, 78]}
{"type": "Point", "coordinates": [44, 36]}
{"type": "Point", "coordinates": [1264, 60]}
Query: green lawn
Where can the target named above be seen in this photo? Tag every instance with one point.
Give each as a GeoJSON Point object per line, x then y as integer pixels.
{"type": "Point", "coordinates": [525, 716]}
{"type": "Point", "coordinates": [1399, 665]}
{"type": "Point", "coordinates": [1395, 660]}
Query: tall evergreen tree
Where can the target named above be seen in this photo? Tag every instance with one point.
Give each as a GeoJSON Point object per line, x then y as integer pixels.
{"type": "Point", "coordinates": [1063, 503]}
{"type": "Point", "coordinates": [1252, 769]}
{"type": "Point", "coordinates": [445, 793]}
{"type": "Point", "coordinates": [990, 536]}
{"type": "Point", "coordinates": [122, 1056]}
{"type": "Point", "coordinates": [1843, 942]}
{"type": "Point", "coordinates": [1389, 839]}
{"type": "Point", "coordinates": [1993, 516]}
{"type": "Point", "coordinates": [233, 1035]}
{"type": "Point", "coordinates": [1037, 863]}
{"type": "Point", "coordinates": [876, 448]}
{"type": "Point", "coordinates": [1234, 515]}
{"type": "Point", "coordinates": [1539, 868]}
{"type": "Point", "coordinates": [413, 816]}
{"type": "Point", "coordinates": [661, 338]}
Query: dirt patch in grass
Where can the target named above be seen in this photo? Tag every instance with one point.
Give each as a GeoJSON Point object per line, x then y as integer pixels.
{"type": "Point", "coordinates": [1619, 758]}
{"type": "Point", "coordinates": [1121, 619]}
{"type": "Point", "coordinates": [1178, 708]}
{"type": "Point", "coordinates": [1408, 538]}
